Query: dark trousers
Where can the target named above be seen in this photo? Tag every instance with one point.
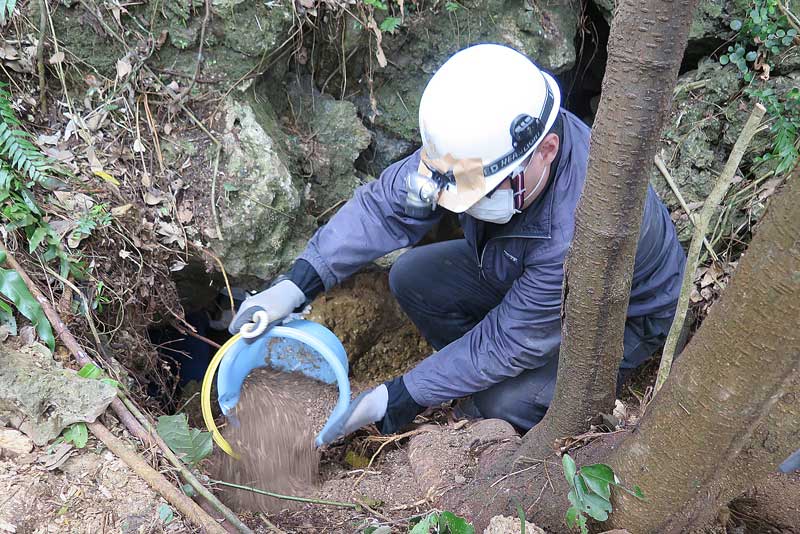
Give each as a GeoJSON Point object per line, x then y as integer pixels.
{"type": "Point", "coordinates": [439, 288]}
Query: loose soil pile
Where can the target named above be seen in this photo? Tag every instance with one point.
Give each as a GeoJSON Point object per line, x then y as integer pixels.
{"type": "Point", "coordinates": [279, 415]}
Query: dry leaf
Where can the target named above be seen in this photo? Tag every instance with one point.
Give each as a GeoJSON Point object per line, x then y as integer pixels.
{"type": "Point", "coordinates": [56, 58]}
{"type": "Point", "coordinates": [123, 68]}
{"type": "Point", "coordinates": [107, 177]}
{"type": "Point", "coordinates": [178, 265]}
{"type": "Point", "coordinates": [48, 139]}
{"type": "Point", "coordinates": [94, 162]}
{"type": "Point", "coordinates": [170, 234]}
{"type": "Point", "coordinates": [185, 215]}
{"type": "Point", "coordinates": [706, 293]}
{"type": "Point", "coordinates": [120, 211]}
{"type": "Point", "coordinates": [168, 128]}
{"type": "Point", "coordinates": [138, 146]}
{"type": "Point", "coordinates": [695, 296]}
{"type": "Point", "coordinates": [153, 197]}
{"type": "Point", "coordinates": [308, 4]}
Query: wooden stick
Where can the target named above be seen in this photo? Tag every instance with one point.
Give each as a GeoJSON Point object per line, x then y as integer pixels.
{"type": "Point", "coordinates": [190, 509]}
{"type": "Point", "coordinates": [127, 412]}
{"type": "Point", "coordinates": [40, 58]}
{"type": "Point", "coordinates": [700, 230]}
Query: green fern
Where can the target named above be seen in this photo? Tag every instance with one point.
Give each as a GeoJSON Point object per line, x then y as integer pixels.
{"type": "Point", "coordinates": [15, 146]}
{"type": "Point", "coordinates": [6, 6]}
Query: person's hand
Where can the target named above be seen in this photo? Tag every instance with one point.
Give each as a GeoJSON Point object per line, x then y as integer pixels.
{"type": "Point", "coordinates": [369, 407]}
{"type": "Point", "coordinates": [277, 302]}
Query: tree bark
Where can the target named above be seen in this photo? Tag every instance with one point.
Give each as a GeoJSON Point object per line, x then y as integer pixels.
{"type": "Point", "coordinates": [743, 360]}
{"type": "Point", "coordinates": [646, 45]}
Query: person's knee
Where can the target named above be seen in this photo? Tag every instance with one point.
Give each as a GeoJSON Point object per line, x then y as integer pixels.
{"type": "Point", "coordinates": [404, 275]}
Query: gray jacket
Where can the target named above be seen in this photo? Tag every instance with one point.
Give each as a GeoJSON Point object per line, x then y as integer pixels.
{"type": "Point", "coordinates": [524, 331]}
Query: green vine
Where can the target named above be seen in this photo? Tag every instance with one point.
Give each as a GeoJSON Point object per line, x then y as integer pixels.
{"type": "Point", "coordinates": [763, 33]}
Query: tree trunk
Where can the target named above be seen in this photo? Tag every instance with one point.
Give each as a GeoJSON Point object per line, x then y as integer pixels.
{"type": "Point", "coordinates": [739, 365]}
{"type": "Point", "coordinates": [647, 41]}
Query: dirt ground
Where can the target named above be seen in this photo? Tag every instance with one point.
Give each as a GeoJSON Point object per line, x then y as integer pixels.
{"type": "Point", "coordinates": [381, 342]}
{"type": "Point", "coordinates": [91, 492]}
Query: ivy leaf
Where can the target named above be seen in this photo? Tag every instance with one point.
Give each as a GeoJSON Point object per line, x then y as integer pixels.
{"type": "Point", "coordinates": [638, 493]}
{"type": "Point", "coordinates": [569, 469]}
{"type": "Point", "coordinates": [724, 59]}
{"type": "Point", "coordinates": [736, 25]}
{"type": "Point", "coordinates": [13, 287]}
{"type": "Point", "coordinates": [598, 477]}
{"type": "Point", "coordinates": [166, 514]}
{"type": "Point", "coordinates": [455, 524]}
{"type": "Point", "coordinates": [189, 443]}
{"type": "Point", "coordinates": [77, 434]}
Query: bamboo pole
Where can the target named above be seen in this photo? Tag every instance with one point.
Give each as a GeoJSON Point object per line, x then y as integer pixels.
{"type": "Point", "coordinates": [700, 229]}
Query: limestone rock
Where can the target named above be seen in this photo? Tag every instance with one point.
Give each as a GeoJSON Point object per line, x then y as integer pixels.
{"type": "Point", "coordinates": [707, 115]}
{"type": "Point", "coordinates": [501, 524]}
{"type": "Point", "coordinates": [238, 35]}
{"type": "Point", "coordinates": [332, 138]}
{"type": "Point", "coordinates": [41, 398]}
{"type": "Point", "coordinates": [545, 31]}
{"type": "Point", "coordinates": [13, 442]}
{"type": "Point", "coordinates": [262, 218]}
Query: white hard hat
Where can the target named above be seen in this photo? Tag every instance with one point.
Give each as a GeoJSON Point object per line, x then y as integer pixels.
{"type": "Point", "coordinates": [485, 110]}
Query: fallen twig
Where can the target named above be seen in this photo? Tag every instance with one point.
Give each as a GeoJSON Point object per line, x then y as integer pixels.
{"type": "Point", "coordinates": [285, 497]}
{"type": "Point", "coordinates": [709, 207]}
{"type": "Point", "coordinates": [125, 409]}
{"type": "Point", "coordinates": [190, 509]}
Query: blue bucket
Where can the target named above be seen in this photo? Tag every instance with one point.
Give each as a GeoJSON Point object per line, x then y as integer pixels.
{"type": "Point", "coordinates": [297, 346]}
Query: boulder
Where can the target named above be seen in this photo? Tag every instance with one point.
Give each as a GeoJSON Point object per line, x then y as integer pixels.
{"type": "Point", "coordinates": [262, 216]}
{"type": "Point", "coordinates": [326, 138]}
{"type": "Point", "coordinates": [41, 398]}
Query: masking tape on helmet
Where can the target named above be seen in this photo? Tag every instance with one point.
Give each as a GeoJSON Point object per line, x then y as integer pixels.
{"type": "Point", "coordinates": [470, 184]}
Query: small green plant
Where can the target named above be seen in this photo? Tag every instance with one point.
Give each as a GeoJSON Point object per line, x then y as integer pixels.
{"type": "Point", "coordinates": [442, 523]}
{"type": "Point", "coordinates": [590, 492]}
{"type": "Point", "coordinates": [100, 299]}
{"type": "Point", "coordinates": [92, 372]}
{"type": "Point", "coordinates": [97, 217]}
{"type": "Point", "coordinates": [21, 166]}
{"type": "Point", "coordinates": [77, 434]}
{"type": "Point", "coordinates": [390, 24]}
{"type": "Point", "coordinates": [13, 288]}
{"type": "Point", "coordinates": [785, 128]}
{"type": "Point", "coordinates": [763, 33]}
{"type": "Point", "coordinates": [377, 4]}
{"type": "Point", "coordinates": [452, 7]}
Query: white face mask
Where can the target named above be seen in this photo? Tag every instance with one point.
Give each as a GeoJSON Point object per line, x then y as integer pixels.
{"type": "Point", "coordinates": [499, 208]}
